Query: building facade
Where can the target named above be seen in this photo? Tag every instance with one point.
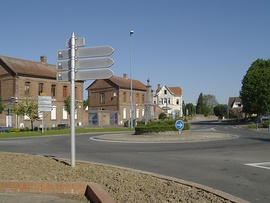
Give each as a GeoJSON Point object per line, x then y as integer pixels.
{"type": "Point", "coordinates": [114, 95]}
{"type": "Point", "coordinates": [22, 79]}
{"type": "Point", "coordinates": [169, 99]}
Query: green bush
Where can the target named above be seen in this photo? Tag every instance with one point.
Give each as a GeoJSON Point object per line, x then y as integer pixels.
{"type": "Point", "coordinates": [266, 124]}
{"type": "Point", "coordinates": [159, 126]}
{"type": "Point", "coordinates": [14, 130]}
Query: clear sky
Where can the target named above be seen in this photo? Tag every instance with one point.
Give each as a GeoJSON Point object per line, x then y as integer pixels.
{"type": "Point", "coordinates": [202, 46]}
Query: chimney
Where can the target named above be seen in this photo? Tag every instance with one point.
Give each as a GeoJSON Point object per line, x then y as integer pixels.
{"type": "Point", "coordinates": [43, 59]}
{"type": "Point", "coordinates": [158, 88]}
{"type": "Point", "coordinates": [125, 76]}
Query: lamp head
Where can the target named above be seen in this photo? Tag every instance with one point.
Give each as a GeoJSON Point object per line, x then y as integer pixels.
{"type": "Point", "coordinates": [131, 32]}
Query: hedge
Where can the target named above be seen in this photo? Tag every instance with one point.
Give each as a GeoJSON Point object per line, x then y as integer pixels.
{"type": "Point", "coordinates": [157, 127]}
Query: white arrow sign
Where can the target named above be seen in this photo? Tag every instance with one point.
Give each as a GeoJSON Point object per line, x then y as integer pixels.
{"type": "Point", "coordinates": [86, 52]}
{"type": "Point", "coordinates": [93, 74]}
{"type": "Point", "coordinates": [86, 63]}
{"type": "Point", "coordinates": [90, 74]}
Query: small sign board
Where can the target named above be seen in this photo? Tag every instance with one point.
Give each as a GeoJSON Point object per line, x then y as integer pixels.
{"type": "Point", "coordinates": [44, 103]}
{"type": "Point", "coordinates": [179, 125]}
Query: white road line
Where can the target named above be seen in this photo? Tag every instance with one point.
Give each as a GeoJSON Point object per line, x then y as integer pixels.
{"type": "Point", "coordinates": [265, 165]}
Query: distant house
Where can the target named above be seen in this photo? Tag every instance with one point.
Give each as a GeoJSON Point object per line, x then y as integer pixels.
{"type": "Point", "coordinates": [235, 106]}
{"type": "Point", "coordinates": [169, 99]}
{"type": "Point", "coordinates": [109, 100]}
{"type": "Point", "coordinates": [21, 79]}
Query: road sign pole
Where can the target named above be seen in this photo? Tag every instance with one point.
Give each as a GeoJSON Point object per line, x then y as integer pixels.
{"type": "Point", "coordinates": [72, 99]}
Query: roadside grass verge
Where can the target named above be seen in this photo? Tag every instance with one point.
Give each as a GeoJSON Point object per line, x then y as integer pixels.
{"type": "Point", "coordinates": [62, 132]}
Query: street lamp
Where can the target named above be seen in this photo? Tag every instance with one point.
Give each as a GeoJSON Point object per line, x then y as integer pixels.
{"type": "Point", "coordinates": [131, 93]}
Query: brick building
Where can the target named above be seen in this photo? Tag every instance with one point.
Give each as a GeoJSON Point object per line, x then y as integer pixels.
{"type": "Point", "coordinates": [21, 79]}
{"type": "Point", "coordinates": [109, 100]}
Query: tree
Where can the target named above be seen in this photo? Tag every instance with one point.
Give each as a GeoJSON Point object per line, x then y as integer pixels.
{"type": "Point", "coordinates": [221, 110]}
{"type": "Point", "coordinates": [2, 106]}
{"type": "Point", "coordinates": [27, 108]}
{"type": "Point", "coordinates": [191, 109]}
{"type": "Point", "coordinates": [255, 91]}
{"type": "Point", "coordinates": [85, 103]}
{"type": "Point", "coordinates": [67, 105]}
{"type": "Point", "coordinates": [209, 100]}
{"type": "Point", "coordinates": [199, 104]}
{"type": "Point", "coordinates": [206, 104]}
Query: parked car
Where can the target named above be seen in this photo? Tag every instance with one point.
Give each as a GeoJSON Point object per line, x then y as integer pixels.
{"type": "Point", "coordinates": [64, 125]}
{"type": "Point", "coordinates": [264, 118]}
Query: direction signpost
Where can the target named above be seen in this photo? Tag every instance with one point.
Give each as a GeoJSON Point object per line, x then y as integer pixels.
{"type": "Point", "coordinates": [179, 125]}
{"type": "Point", "coordinates": [44, 104]}
{"type": "Point", "coordinates": [80, 64]}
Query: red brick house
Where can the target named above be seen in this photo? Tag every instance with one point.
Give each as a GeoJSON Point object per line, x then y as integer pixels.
{"type": "Point", "coordinates": [109, 99]}
{"type": "Point", "coordinates": [21, 79]}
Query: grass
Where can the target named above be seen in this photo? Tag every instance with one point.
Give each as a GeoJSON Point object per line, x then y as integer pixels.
{"type": "Point", "coordinates": [61, 132]}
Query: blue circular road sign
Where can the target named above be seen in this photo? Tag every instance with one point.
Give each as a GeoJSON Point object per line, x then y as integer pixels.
{"type": "Point", "coordinates": [179, 124]}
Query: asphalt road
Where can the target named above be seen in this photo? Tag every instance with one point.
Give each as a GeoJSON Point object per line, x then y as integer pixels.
{"type": "Point", "coordinates": [218, 164]}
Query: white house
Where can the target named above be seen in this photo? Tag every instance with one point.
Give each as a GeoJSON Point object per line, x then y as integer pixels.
{"type": "Point", "coordinates": [169, 99]}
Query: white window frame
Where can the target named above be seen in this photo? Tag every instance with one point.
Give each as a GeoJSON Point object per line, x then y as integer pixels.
{"type": "Point", "coordinates": [124, 113]}
{"type": "Point", "coordinates": [53, 113]}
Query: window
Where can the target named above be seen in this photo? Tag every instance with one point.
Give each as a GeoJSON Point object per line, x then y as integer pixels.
{"type": "Point", "coordinates": [142, 112]}
{"type": "Point", "coordinates": [65, 114]}
{"type": "Point", "coordinates": [124, 113]}
{"type": "Point", "coordinates": [53, 113]}
{"type": "Point", "coordinates": [137, 98]}
{"type": "Point", "coordinates": [137, 113]}
{"type": "Point", "coordinates": [143, 99]}
{"type": "Point", "coordinates": [26, 88]}
{"type": "Point", "coordinates": [53, 90]}
{"type": "Point", "coordinates": [165, 91]}
{"type": "Point", "coordinates": [125, 97]}
{"type": "Point", "coordinates": [76, 92]}
{"type": "Point", "coordinates": [165, 100]}
{"type": "Point", "coordinates": [102, 98]}
{"type": "Point", "coordinates": [40, 88]}
{"type": "Point", "coordinates": [177, 101]}
{"type": "Point", "coordinates": [169, 101]}
{"type": "Point", "coordinates": [64, 91]}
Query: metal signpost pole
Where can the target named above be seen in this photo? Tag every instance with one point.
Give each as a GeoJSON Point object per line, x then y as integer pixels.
{"type": "Point", "coordinates": [131, 88]}
{"type": "Point", "coordinates": [72, 98]}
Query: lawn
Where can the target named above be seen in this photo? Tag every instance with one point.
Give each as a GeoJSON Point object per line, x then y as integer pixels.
{"type": "Point", "coordinates": [62, 132]}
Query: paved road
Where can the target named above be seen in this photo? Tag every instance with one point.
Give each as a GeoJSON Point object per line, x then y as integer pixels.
{"type": "Point", "coordinates": [218, 164]}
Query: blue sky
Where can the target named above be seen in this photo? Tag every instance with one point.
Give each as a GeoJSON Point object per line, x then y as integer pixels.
{"type": "Point", "coordinates": [202, 46]}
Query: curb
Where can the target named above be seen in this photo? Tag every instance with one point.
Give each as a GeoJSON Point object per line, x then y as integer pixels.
{"type": "Point", "coordinates": [92, 191]}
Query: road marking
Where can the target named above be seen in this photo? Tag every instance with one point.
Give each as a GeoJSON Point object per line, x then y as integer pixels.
{"type": "Point", "coordinates": [265, 165]}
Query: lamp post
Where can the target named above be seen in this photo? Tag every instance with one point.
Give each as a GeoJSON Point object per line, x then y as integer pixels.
{"type": "Point", "coordinates": [131, 92]}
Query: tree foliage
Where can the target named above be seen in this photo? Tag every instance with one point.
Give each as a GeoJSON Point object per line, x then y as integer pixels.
{"type": "Point", "coordinates": [67, 105]}
{"type": "Point", "coordinates": [199, 106]}
{"type": "Point", "coordinates": [255, 91]}
{"type": "Point", "coordinates": [221, 110]}
{"type": "Point", "coordinates": [190, 109]}
{"type": "Point", "coordinates": [205, 104]}
{"type": "Point", "coordinates": [27, 108]}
